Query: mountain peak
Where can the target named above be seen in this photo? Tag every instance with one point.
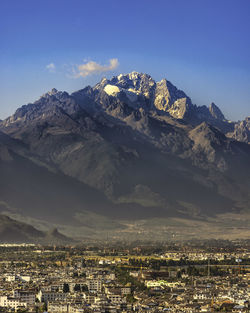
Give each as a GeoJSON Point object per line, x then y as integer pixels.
{"type": "Point", "coordinates": [133, 76]}
{"type": "Point", "coordinates": [135, 87]}
{"type": "Point", "coordinates": [55, 93]}
{"type": "Point", "coordinates": [52, 92]}
{"type": "Point", "coordinates": [216, 112]}
{"type": "Point", "coordinates": [133, 80]}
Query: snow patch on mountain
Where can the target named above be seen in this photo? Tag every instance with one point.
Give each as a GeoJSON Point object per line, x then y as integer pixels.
{"type": "Point", "coordinates": [112, 90]}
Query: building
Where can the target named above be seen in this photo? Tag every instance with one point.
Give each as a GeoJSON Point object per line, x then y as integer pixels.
{"type": "Point", "coordinates": [46, 296]}
{"type": "Point", "coordinates": [10, 302]}
{"type": "Point", "coordinates": [57, 307]}
{"type": "Point", "coordinates": [25, 296]}
{"type": "Point", "coordinates": [94, 285]}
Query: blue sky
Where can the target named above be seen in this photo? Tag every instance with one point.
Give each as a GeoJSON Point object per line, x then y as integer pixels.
{"type": "Point", "coordinates": [202, 46]}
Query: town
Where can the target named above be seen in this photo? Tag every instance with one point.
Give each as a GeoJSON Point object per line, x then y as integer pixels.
{"type": "Point", "coordinates": [121, 277]}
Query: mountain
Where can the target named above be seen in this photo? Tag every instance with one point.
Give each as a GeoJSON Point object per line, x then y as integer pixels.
{"type": "Point", "coordinates": [241, 131]}
{"type": "Point", "coordinates": [216, 112]}
{"type": "Point", "coordinates": [128, 148]}
{"type": "Point", "coordinates": [12, 231]}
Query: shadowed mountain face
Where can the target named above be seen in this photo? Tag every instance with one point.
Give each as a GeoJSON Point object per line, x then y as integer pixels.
{"type": "Point", "coordinates": [17, 232]}
{"type": "Point", "coordinates": [129, 148]}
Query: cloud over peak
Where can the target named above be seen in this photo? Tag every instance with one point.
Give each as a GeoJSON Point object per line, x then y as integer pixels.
{"type": "Point", "coordinates": [92, 67]}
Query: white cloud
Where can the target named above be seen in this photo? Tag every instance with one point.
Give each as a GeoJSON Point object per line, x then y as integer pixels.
{"type": "Point", "coordinates": [51, 67]}
{"type": "Point", "coordinates": [91, 67]}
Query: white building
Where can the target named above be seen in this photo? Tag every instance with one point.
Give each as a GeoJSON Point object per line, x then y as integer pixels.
{"type": "Point", "coordinates": [116, 299]}
{"type": "Point", "coordinates": [94, 285]}
{"type": "Point", "coordinates": [14, 277]}
{"type": "Point", "coordinates": [125, 290]}
{"type": "Point", "coordinates": [57, 307]}
{"type": "Point", "coordinates": [89, 298]}
{"type": "Point", "coordinates": [75, 309]}
{"type": "Point", "coordinates": [11, 278]}
{"type": "Point", "coordinates": [9, 302]}
{"type": "Point", "coordinates": [25, 296]}
{"type": "Point", "coordinates": [45, 296]}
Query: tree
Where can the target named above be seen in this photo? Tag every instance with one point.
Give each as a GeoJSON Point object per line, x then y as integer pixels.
{"type": "Point", "coordinates": [84, 288]}
{"type": "Point", "coordinates": [178, 274]}
{"type": "Point", "coordinates": [65, 287]}
{"type": "Point", "coordinates": [77, 287]}
{"type": "Point", "coordinates": [130, 299]}
{"type": "Point", "coordinates": [42, 308]}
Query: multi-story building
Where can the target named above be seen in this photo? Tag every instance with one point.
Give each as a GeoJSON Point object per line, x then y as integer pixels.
{"type": "Point", "coordinates": [94, 285]}
{"type": "Point", "coordinates": [46, 296]}
{"type": "Point", "coordinates": [10, 302]}
{"type": "Point", "coordinates": [57, 307]}
{"type": "Point", "coordinates": [25, 296]}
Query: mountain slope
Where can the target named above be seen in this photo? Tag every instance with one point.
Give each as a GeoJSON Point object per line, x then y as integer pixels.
{"type": "Point", "coordinates": [12, 231]}
{"type": "Point", "coordinates": [42, 191]}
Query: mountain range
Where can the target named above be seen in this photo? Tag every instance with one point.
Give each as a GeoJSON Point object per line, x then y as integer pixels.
{"type": "Point", "coordinates": [127, 156]}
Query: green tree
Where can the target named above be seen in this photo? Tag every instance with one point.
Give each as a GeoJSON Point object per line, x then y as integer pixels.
{"type": "Point", "coordinates": [77, 287]}
{"type": "Point", "coordinates": [130, 299]}
{"type": "Point", "coordinates": [84, 288]}
{"type": "Point", "coordinates": [65, 287]}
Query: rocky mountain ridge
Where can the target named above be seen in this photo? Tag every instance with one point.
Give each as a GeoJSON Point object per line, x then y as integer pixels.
{"type": "Point", "coordinates": [140, 93]}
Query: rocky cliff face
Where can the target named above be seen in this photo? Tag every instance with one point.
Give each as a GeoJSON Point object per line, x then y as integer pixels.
{"type": "Point", "coordinates": [140, 91]}
{"type": "Point", "coordinates": [130, 134]}
{"type": "Point", "coordinates": [216, 112]}
{"type": "Point", "coordinates": [241, 131]}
